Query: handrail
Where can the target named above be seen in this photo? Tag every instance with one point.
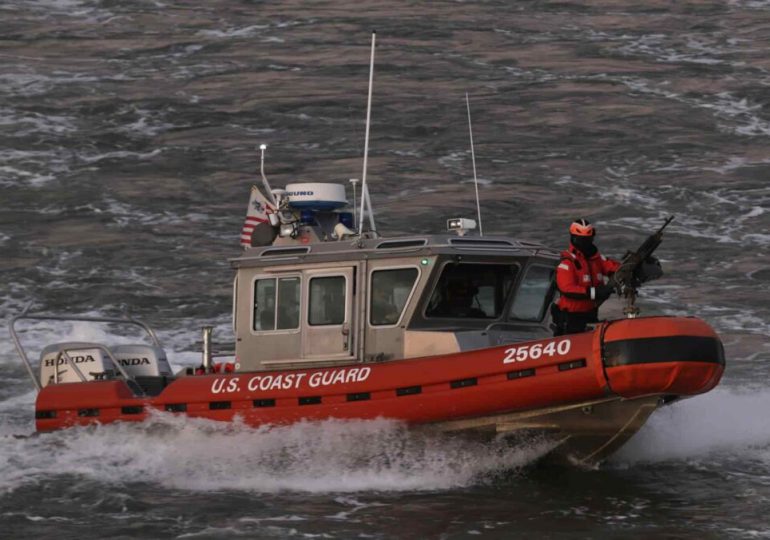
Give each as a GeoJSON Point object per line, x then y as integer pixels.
{"type": "Point", "coordinates": [110, 320]}
{"type": "Point", "coordinates": [69, 363]}
{"type": "Point", "coordinates": [130, 381]}
{"type": "Point", "coordinates": [137, 389]}
{"type": "Point", "coordinates": [19, 348]}
{"type": "Point", "coordinates": [135, 386]}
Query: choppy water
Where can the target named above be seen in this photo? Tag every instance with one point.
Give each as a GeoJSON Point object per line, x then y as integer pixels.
{"type": "Point", "coordinates": [128, 142]}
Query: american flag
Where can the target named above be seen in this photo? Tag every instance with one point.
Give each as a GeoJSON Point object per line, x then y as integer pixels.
{"type": "Point", "coordinates": [256, 213]}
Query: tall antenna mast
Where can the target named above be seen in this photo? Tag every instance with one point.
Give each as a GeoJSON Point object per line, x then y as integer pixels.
{"type": "Point", "coordinates": [473, 160]}
{"type": "Point", "coordinates": [372, 227]}
{"type": "Point", "coordinates": [270, 196]}
{"type": "Point", "coordinates": [364, 191]}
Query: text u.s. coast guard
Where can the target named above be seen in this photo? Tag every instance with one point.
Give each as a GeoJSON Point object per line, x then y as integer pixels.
{"type": "Point", "coordinates": [287, 381]}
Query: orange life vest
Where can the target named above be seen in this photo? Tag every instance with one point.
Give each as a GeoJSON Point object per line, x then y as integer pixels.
{"type": "Point", "coordinates": [576, 277]}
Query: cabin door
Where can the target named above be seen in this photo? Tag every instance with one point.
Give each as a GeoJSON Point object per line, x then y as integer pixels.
{"type": "Point", "coordinates": [328, 322]}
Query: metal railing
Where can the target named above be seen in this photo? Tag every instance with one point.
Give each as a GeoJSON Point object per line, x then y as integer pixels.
{"type": "Point", "coordinates": [78, 318]}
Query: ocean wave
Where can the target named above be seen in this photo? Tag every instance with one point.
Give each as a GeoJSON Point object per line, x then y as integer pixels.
{"type": "Point", "coordinates": [127, 215]}
{"type": "Point", "coordinates": [234, 32]}
{"type": "Point", "coordinates": [743, 113]}
{"type": "Point", "coordinates": [148, 123]}
{"type": "Point", "coordinates": [22, 124]}
{"type": "Point", "coordinates": [705, 210]}
{"type": "Point", "coordinates": [35, 84]}
{"type": "Point", "coordinates": [13, 176]}
{"type": "Point", "coordinates": [687, 49]}
{"type": "Point", "coordinates": [119, 154]}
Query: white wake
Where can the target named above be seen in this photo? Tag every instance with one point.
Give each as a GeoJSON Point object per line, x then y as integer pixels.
{"type": "Point", "coordinates": [329, 456]}
{"type": "Point", "coordinates": [724, 420]}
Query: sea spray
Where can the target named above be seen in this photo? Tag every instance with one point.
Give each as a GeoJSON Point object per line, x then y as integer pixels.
{"type": "Point", "coordinates": [328, 456]}
{"type": "Point", "coordinates": [720, 421]}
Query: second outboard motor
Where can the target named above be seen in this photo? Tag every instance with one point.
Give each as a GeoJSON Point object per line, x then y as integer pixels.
{"type": "Point", "coordinates": [142, 360]}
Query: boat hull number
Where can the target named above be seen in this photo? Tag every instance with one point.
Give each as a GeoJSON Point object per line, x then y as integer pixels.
{"type": "Point", "coordinates": [538, 350]}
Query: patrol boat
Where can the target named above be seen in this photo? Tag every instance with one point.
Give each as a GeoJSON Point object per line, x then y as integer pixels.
{"type": "Point", "coordinates": [451, 332]}
{"type": "Point", "coordinates": [448, 331]}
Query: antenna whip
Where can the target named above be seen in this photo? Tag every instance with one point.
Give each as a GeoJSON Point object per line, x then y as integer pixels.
{"type": "Point", "coordinates": [473, 160]}
{"type": "Point", "coordinates": [364, 191]}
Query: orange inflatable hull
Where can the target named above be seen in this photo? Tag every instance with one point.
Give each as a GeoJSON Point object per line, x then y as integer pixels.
{"type": "Point", "coordinates": [666, 356]}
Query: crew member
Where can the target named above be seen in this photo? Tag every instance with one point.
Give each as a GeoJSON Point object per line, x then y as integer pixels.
{"type": "Point", "coordinates": [384, 311]}
{"type": "Point", "coordinates": [458, 300]}
{"type": "Point", "coordinates": [580, 278]}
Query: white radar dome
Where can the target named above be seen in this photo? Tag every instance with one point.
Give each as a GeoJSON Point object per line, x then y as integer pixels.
{"type": "Point", "coordinates": [316, 196]}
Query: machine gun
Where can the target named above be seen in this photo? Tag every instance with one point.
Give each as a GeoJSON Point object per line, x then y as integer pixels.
{"type": "Point", "coordinates": [636, 268]}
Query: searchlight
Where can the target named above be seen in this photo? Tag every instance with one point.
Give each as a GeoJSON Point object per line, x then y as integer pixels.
{"type": "Point", "coordinates": [460, 225]}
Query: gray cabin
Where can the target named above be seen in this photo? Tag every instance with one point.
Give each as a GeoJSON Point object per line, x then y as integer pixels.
{"type": "Point", "coordinates": [302, 303]}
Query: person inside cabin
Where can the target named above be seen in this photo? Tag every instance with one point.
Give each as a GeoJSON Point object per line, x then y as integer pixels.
{"type": "Point", "coordinates": [267, 315]}
{"type": "Point", "coordinates": [459, 299]}
{"type": "Point", "coordinates": [581, 279]}
{"type": "Point", "coordinates": [384, 311]}
{"type": "Point", "coordinates": [288, 315]}
{"type": "Point", "coordinates": [335, 305]}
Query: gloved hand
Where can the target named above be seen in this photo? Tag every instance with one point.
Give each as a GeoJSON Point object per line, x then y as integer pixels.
{"type": "Point", "coordinates": [600, 293]}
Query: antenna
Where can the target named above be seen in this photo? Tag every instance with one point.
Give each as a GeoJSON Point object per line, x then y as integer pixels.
{"type": "Point", "coordinates": [354, 181]}
{"type": "Point", "coordinates": [262, 148]}
{"type": "Point", "coordinates": [364, 191]}
{"type": "Point", "coordinates": [473, 160]}
{"type": "Point", "coordinates": [369, 209]}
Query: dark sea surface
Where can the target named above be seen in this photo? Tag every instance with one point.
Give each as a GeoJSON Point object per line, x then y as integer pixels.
{"type": "Point", "coordinates": [129, 135]}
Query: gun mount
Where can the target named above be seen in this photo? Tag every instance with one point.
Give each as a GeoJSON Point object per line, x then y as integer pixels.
{"type": "Point", "coordinates": [638, 267]}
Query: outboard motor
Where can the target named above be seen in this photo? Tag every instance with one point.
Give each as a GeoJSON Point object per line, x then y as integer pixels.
{"type": "Point", "coordinates": [142, 360]}
{"type": "Point", "coordinates": [89, 358]}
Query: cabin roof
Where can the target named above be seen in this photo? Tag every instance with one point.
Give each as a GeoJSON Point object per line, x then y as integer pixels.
{"type": "Point", "coordinates": [369, 248]}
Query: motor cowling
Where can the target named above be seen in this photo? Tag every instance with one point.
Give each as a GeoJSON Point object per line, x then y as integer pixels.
{"type": "Point", "coordinates": [142, 360]}
{"type": "Point", "coordinates": [95, 364]}
{"type": "Point", "coordinates": [89, 358]}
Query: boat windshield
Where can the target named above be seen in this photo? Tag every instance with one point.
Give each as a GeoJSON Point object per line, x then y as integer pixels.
{"type": "Point", "coordinates": [471, 291]}
{"type": "Point", "coordinates": [533, 294]}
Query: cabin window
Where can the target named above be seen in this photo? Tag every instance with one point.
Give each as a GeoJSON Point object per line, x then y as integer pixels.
{"type": "Point", "coordinates": [532, 297]}
{"type": "Point", "coordinates": [390, 289]}
{"type": "Point", "coordinates": [276, 304]}
{"type": "Point", "coordinates": [327, 301]}
{"type": "Point", "coordinates": [471, 291]}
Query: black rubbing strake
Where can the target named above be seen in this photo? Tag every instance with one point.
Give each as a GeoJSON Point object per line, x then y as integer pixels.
{"type": "Point", "coordinates": [572, 364]}
{"type": "Point", "coordinates": [220, 405]}
{"type": "Point", "coordinates": [176, 407]}
{"type": "Point", "coordinates": [132, 409]}
{"type": "Point", "coordinates": [521, 373]}
{"type": "Point", "coordinates": [409, 390]}
{"type": "Point", "coordinates": [264, 402]}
